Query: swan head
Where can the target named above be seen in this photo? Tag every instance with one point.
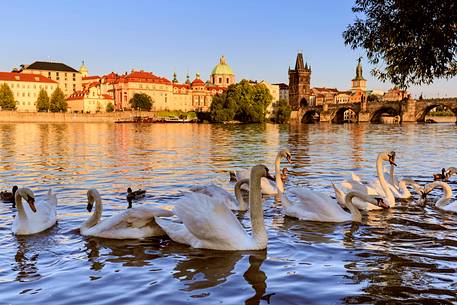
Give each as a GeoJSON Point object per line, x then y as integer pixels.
{"type": "Point", "coordinates": [286, 154]}
{"type": "Point", "coordinates": [391, 158]}
{"type": "Point", "coordinates": [380, 202]}
{"type": "Point", "coordinates": [28, 196]}
{"type": "Point", "coordinates": [129, 190]}
{"type": "Point", "coordinates": [263, 171]}
{"type": "Point", "coordinates": [92, 196]}
{"type": "Point", "coordinates": [15, 188]}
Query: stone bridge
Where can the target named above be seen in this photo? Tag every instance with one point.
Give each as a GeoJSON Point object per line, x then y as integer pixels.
{"type": "Point", "coordinates": [408, 110]}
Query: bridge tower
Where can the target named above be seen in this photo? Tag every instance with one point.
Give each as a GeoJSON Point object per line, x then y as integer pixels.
{"type": "Point", "coordinates": [299, 84]}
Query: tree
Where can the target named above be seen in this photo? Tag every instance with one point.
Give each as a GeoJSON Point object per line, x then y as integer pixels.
{"type": "Point", "coordinates": [415, 40]}
{"type": "Point", "coordinates": [7, 97]}
{"type": "Point", "coordinates": [58, 102]}
{"type": "Point", "coordinates": [373, 98]}
{"type": "Point", "coordinates": [141, 101]}
{"type": "Point", "coordinates": [283, 112]}
{"type": "Point", "coordinates": [42, 102]}
{"type": "Point", "coordinates": [109, 107]}
{"type": "Point", "coordinates": [244, 102]}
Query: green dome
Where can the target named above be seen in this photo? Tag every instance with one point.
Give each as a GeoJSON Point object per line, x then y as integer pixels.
{"type": "Point", "coordinates": [222, 68]}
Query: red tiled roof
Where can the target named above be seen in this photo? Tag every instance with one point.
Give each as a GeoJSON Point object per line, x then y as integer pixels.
{"type": "Point", "coordinates": [25, 77]}
{"type": "Point", "coordinates": [197, 82]}
{"type": "Point", "coordinates": [91, 77]}
{"type": "Point", "coordinates": [144, 77]}
{"type": "Point", "coordinates": [107, 97]}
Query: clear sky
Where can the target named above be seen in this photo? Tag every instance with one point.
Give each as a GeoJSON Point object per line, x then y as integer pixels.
{"type": "Point", "coordinates": [259, 39]}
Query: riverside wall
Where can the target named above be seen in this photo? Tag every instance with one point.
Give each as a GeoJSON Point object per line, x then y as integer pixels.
{"type": "Point", "coordinates": [45, 117]}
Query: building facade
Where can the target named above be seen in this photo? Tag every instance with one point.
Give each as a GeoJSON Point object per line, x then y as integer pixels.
{"type": "Point", "coordinates": [26, 87]}
{"type": "Point", "coordinates": [283, 91]}
{"type": "Point", "coordinates": [299, 84]}
{"type": "Point", "coordinates": [69, 79]}
{"type": "Point", "coordinates": [89, 100]}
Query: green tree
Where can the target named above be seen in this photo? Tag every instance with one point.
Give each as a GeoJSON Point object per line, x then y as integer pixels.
{"type": "Point", "coordinates": [244, 102]}
{"type": "Point", "coordinates": [373, 98]}
{"type": "Point", "coordinates": [109, 107]}
{"type": "Point", "coordinates": [58, 102]}
{"type": "Point", "coordinates": [283, 112]}
{"type": "Point", "coordinates": [141, 101]}
{"type": "Point", "coordinates": [6, 97]}
{"type": "Point", "coordinates": [415, 41]}
{"type": "Point", "coordinates": [42, 102]}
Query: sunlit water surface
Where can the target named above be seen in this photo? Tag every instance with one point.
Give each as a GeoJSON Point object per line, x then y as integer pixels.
{"type": "Point", "coordinates": [405, 255]}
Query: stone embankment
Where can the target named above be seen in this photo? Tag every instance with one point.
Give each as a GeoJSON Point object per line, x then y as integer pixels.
{"type": "Point", "coordinates": [45, 117]}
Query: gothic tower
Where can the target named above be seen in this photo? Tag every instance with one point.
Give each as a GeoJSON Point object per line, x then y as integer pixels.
{"type": "Point", "coordinates": [299, 84]}
{"type": "Point", "coordinates": [359, 84]}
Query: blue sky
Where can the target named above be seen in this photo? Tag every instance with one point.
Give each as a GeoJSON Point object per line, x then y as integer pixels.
{"type": "Point", "coordinates": [260, 39]}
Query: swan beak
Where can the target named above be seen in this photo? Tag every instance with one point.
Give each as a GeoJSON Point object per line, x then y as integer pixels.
{"type": "Point", "coordinates": [31, 202]}
{"type": "Point", "coordinates": [392, 162]}
{"type": "Point", "coordinates": [289, 159]}
{"type": "Point", "coordinates": [89, 207]}
{"type": "Point", "coordinates": [270, 177]}
{"type": "Point", "coordinates": [381, 203]}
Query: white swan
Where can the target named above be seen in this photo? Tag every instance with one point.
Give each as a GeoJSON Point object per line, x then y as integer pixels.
{"type": "Point", "coordinates": [132, 223]}
{"type": "Point", "coordinates": [315, 206]}
{"type": "Point", "coordinates": [270, 187]}
{"type": "Point", "coordinates": [218, 193]}
{"type": "Point", "coordinates": [387, 194]}
{"type": "Point", "coordinates": [33, 218]}
{"type": "Point", "coordinates": [207, 223]}
{"type": "Point", "coordinates": [450, 171]}
{"type": "Point", "coordinates": [445, 203]}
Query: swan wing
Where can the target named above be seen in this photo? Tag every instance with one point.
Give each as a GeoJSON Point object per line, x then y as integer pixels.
{"type": "Point", "coordinates": [349, 186]}
{"type": "Point", "coordinates": [218, 192]}
{"type": "Point", "coordinates": [316, 202]}
{"type": "Point", "coordinates": [137, 217]}
{"type": "Point", "coordinates": [209, 220]}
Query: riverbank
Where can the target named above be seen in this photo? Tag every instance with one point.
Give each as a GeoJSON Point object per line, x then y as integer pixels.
{"type": "Point", "coordinates": [45, 117]}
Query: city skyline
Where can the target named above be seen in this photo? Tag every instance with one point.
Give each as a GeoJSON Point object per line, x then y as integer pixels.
{"type": "Point", "coordinates": [259, 40]}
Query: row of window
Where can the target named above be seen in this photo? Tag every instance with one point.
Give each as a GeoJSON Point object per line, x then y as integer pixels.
{"type": "Point", "coordinates": [25, 103]}
{"type": "Point", "coordinates": [13, 85]}
{"type": "Point", "coordinates": [65, 74]}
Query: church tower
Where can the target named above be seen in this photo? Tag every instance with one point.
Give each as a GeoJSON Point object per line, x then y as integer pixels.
{"type": "Point", "coordinates": [359, 84]}
{"type": "Point", "coordinates": [299, 84]}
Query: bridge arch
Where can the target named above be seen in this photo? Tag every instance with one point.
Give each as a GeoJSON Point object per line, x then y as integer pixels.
{"type": "Point", "coordinates": [310, 117]}
{"type": "Point", "coordinates": [304, 103]}
{"type": "Point", "coordinates": [339, 117]}
{"type": "Point", "coordinates": [377, 115]}
{"type": "Point", "coordinates": [426, 110]}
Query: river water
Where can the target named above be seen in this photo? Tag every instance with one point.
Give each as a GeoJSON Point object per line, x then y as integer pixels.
{"type": "Point", "coordinates": [404, 255]}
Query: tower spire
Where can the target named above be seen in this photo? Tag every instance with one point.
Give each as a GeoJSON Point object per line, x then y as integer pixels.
{"type": "Point", "coordinates": [299, 62]}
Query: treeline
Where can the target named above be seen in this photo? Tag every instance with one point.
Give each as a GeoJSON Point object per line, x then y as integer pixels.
{"type": "Point", "coordinates": [245, 102]}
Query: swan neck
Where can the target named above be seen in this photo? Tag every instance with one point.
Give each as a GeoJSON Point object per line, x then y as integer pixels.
{"type": "Point", "coordinates": [256, 211]}
{"type": "Point", "coordinates": [447, 194]}
{"type": "Point", "coordinates": [20, 208]}
{"type": "Point", "coordinates": [279, 183]}
{"type": "Point", "coordinates": [382, 180]}
{"type": "Point", "coordinates": [355, 213]}
{"type": "Point", "coordinates": [243, 206]}
{"type": "Point", "coordinates": [392, 173]}
{"type": "Point", "coordinates": [97, 215]}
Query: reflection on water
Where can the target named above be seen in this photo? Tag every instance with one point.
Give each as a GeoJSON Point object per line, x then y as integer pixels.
{"type": "Point", "coordinates": [407, 254]}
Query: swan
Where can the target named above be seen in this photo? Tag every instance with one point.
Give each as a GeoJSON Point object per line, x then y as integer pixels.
{"type": "Point", "coordinates": [400, 192]}
{"type": "Point", "coordinates": [450, 171]}
{"type": "Point", "coordinates": [215, 191]}
{"type": "Point", "coordinates": [315, 206]}
{"type": "Point", "coordinates": [270, 187]}
{"type": "Point", "coordinates": [387, 194]}
{"type": "Point", "coordinates": [9, 196]}
{"type": "Point", "coordinates": [132, 223]}
{"type": "Point", "coordinates": [31, 218]}
{"type": "Point", "coordinates": [207, 223]}
{"type": "Point", "coordinates": [444, 203]}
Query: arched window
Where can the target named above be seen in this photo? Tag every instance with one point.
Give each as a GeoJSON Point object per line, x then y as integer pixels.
{"type": "Point", "coordinates": [220, 80]}
{"type": "Point", "coordinates": [228, 80]}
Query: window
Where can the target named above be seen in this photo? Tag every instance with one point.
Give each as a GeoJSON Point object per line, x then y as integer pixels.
{"type": "Point", "coordinates": [49, 74]}
{"type": "Point", "coordinates": [65, 74]}
{"type": "Point", "coordinates": [228, 80]}
{"type": "Point", "coordinates": [57, 78]}
{"type": "Point", "coordinates": [57, 73]}
{"type": "Point", "coordinates": [74, 75]}
{"type": "Point", "coordinates": [220, 80]}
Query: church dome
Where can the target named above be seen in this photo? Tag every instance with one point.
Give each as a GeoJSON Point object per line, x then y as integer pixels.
{"type": "Point", "coordinates": [222, 68]}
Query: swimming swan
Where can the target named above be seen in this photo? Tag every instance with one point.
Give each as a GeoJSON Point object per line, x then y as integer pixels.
{"type": "Point", "coordinates": [207, 223]}
{"type": "Point", "coordinates": [387, 194]}
{"type": "Point", "coordinates": [315, 206]}
{"type": "Point", "coordinates": [270, 187]}
{"type": "Point", "coordinates": [215, 191]}
{"type": "Point", "coordinates": [445, 203]}
{"type": "Point", "coordinates": [132, 223]}
{"type": "Point", "coordinates": [33, 218]}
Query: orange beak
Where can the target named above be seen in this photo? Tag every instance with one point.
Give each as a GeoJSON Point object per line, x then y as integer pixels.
{"type": "Point", "coordinates": [31, 202]}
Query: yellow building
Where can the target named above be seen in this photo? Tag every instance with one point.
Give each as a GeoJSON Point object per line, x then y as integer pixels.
{"type": "Point", "coordinates": [26, 88]}
{"type": "Point", "coordinates": [222, 75]}
{"type": "Point", "coordinates": [274, 92]}
{"type": "Point", "coordinates": [89, 100]}
{"type": "Point", "coordinates": [69, 79]}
